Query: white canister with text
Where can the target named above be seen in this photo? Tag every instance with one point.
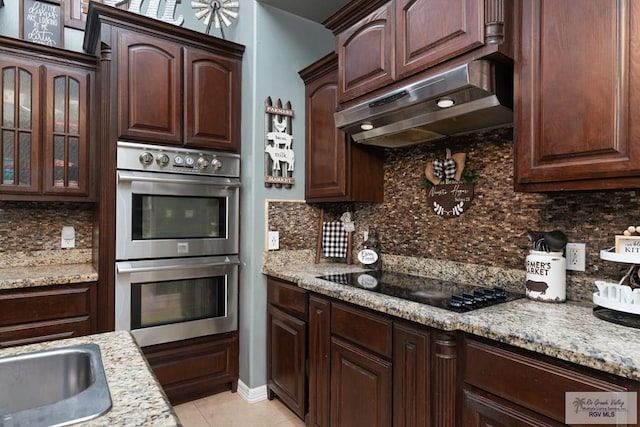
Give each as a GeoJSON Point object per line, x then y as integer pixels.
{"type": "Point", "coordinates": [546, 278]}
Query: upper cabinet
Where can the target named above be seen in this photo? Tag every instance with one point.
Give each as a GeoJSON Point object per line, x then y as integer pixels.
{"type": "Point", "coordinates": [170, 85]}
{"type": "Point", "coordinates": [577, 82]}
{"type": "Point", "coordinates": [336, 168]}
{"type": "Point", "coordinates": [46, 138]}
{"type": "Point", "coordinates": [379, 43]}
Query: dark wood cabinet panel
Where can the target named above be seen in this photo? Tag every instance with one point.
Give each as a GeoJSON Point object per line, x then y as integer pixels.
{"type": "Point", "coordinates": [46, 137]}
{"type": "Point", "coordinates": [319, 362]}
{"type": "Point", "coordinates": [411, 377]}
{"type": "Point", "coordinates": [30, 315]}
{"type": "Point", "coordinates": [483, 410]}
{"type": "Point", "coordinates": [195, 368]}
{"type": "Point", "coordinates": [336, 168]}
{"type": "Point", "coordinates": [366, 53]}
{"type": "Point", "coordinates": [288, 297]}
{"type": "Point", "coordinates": [361, 327]}
{"type": "Point", "coordinates": [149, 85]}
{"type": "Point", "coordinates": [577, 87]}
{"type": "Point", "coordinates": [286, 359]}
{"type": "Point", "coordinates": [360, 387]}
{"type": "Point", "coordinates": [212, 100]}
{"type": "Point", "coordinates": [532, 382]}
{"type": "Point", "coordinates": [431, 31]}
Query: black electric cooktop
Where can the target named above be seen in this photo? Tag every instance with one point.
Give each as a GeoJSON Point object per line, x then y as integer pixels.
{"type": "Point", "coordinates": [438, 293]}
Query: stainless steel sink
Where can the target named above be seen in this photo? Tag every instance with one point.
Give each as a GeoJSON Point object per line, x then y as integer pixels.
{"type": "Point", "coordinates": [53, 387]}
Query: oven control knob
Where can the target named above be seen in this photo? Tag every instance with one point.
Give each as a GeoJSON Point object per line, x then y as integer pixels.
{"type": "Point", "coordinates": [146, 158]}
{"type": "Point", "coordinates": [203, 163]}
{"type": "Point", "coordinates": [189, 161]}
{"type": "Point", "coordinates": [216, 163]}
{"type": "Point", "coordinates": [162, 160]}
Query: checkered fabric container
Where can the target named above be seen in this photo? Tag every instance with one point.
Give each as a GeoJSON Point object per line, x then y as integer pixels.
{"type": "Point", "coordinates": [334, 240]}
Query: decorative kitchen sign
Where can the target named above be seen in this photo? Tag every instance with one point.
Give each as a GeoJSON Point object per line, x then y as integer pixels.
{"type": "Point", "coordinates": [41, 22]}
{"type": "Point", "coordinates": [135, 6]}
{"type": "Point", "coordinates": [279, 158]}
{"type": "Point", "coordinates": [449, 185]}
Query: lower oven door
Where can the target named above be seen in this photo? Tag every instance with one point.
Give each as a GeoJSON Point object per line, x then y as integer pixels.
{"type": "Point", "coordinates": [169, 300]}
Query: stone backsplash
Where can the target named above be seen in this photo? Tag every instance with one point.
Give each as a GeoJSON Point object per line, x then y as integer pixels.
{"type": "Point", "coordinates": [30, 233]}
{"type": "Point", "coordinates": [492, 232]}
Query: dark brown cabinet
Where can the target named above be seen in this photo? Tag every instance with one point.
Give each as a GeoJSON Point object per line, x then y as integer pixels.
{"type": "Point", "coordinates": [336, 168]}
{"type": "Point", "coordinates": [360, 387]}
{"type": "Point", "coordinates": [400, 38]}
{"type": "Point", "coordinates": [511, 387]}
{"type": "Point", "coordinates": [195, 93]}
{"type": "Point", "coordinates": [32, 315]}
{"type": "Point", "coordinates": [577, 87]}
{"type": "Point", "coordinates": [46, 138]}
{"type": "Point", "coordinates": [287, 344]}
{"type": "Point", "coordinates": [195, 368]}
{"type": "Point", "coordinates": [319, 345]}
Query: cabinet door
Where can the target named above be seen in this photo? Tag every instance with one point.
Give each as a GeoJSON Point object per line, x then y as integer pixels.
{"type": "Point", "coordinates": [150, 89]}
{"type": "Point", "coordinates": [431, 31]}
{"type": "Point", "coordinates": [366, 54]}
{"type": "Point", "coordinates": [286, 359]}
{"type": "Point", "coordinates": [483, 410]}
{"type": "Point", "coordinates": [319, 362]}
{"type": "Point", "coordinates": [66, 131]}
{"type": "Point", "coordinates": [360, 387]}
{"type": "Point", "coordinates": [20, 126]}
{"type": "Point", "coordinates": [577, 95]}
{"type": "Point", "coordinates": [411, 377]}
{"type": "Point", "coordinates": [326, 145]}
{"type": "Point", "coordinates": [212, 101]}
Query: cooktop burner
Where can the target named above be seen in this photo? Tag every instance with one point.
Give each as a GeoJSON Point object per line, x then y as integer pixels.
{"type": "Point", "coordinates": [438, 293]}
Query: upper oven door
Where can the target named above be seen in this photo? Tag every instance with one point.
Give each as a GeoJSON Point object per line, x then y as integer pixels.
{"type": "Point", "coordinates": [162, 215]}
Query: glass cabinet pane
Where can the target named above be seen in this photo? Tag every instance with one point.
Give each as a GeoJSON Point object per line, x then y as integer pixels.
{"type": "Point", "coordinates": [24, 169]}
{"type": "Point", "coordinates": [59, 104]}
{"type": "Point", "coordinates": [8, 159]}
{"type": "Point", "coordinates": [58, 161]}
{"type": "Point", "coordinates": [8, 97]}
{"type": "Point", "coordinates": [74, 107]}
{"type": "Point", "coordinates": [73, 161]}
{"type": "Point", "coordinates": [24, 112]}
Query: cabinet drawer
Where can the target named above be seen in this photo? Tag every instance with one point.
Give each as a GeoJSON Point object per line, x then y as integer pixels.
{"type": "Point", "coordinates": [363, 328]}
{"type": "Point", "coordinates": [287, 297]}
{"type": "Point", "coordinates": [31, 333]}
{"type": "Point", "coordinates": [45, 303]}
{"type": "Point", "coordinates": [528, 382]}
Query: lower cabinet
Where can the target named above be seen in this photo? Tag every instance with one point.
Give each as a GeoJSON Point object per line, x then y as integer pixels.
{"type": "Point", "coordinates": [505, 386]}
{"type": "Point", "coordinates": [194, 368]}
{"type": "Point", "coordinates": [45, 313]}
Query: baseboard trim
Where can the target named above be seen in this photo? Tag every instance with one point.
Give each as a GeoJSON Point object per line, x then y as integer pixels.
{"type": "Point", "coordinates": [252, 395]}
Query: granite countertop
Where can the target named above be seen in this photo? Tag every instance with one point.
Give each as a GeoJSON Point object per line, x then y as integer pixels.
{"type": "Point", "coordinates": [137, 398]}
{"type": "Point", "coordinates": [45, 275]}
{"type": "Point", "coordinates": [567, 331]}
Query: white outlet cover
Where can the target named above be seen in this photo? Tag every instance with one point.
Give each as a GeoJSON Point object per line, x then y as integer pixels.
{"type": "Point", "coordinates": [273, 240]}
{"type": "Point", "coordinates": [68, 237]}
{"type": "Point", "coordinates": [575, 254]}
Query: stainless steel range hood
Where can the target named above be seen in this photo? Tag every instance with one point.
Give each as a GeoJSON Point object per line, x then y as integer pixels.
{"type": "Point", "coordinates": [481, 94]}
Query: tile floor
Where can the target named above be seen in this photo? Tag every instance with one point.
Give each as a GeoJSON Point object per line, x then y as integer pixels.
{"type": "Point", "coordinates": [230, 410]}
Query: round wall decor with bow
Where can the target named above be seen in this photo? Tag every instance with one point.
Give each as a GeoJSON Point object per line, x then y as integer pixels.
{"type": "Point", "coordinates": [449, 185]}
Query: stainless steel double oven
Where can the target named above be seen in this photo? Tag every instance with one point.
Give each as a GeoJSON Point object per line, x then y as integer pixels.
{"type": "Point", "coordinates": [177, 227]}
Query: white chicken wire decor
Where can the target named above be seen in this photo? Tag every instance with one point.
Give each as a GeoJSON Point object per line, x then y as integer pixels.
{"type": "Point", "coordinates": [220, 13]}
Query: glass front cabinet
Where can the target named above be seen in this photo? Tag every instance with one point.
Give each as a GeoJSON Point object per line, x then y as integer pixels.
{"type": "Point", "coordinates": [45, 144]}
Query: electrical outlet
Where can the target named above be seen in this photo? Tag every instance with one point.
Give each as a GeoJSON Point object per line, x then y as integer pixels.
{"type": "Point", "coordinates": [273, 240]}
{"type": "Point", "coordinates": [575, 253]}
{"type": "Point", "coordinates": [68, 237]}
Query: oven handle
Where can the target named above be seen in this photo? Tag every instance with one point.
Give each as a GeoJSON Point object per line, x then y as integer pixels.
{"type": "Point", "coordinates": [126, 267]}
{"type": "Point", "coordinates": [129, 177]}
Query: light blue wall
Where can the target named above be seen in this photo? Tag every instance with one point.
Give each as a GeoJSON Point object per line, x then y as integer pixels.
{"type": "Point", "coordinates": [278, 45]}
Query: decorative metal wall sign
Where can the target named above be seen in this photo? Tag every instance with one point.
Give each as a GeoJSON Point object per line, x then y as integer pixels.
{"type": "Point", "coordinates": [217, 12]}
{"type": "Point", "coordinates": [449, 185]}
{"type": "Point", "coordinates": [279, 158]}
{"type": "Point", "coordinates": [152, 9]}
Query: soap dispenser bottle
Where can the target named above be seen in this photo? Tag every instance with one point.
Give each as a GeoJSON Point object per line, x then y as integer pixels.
{"type": "Point", "coordinates": [369, 256]}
